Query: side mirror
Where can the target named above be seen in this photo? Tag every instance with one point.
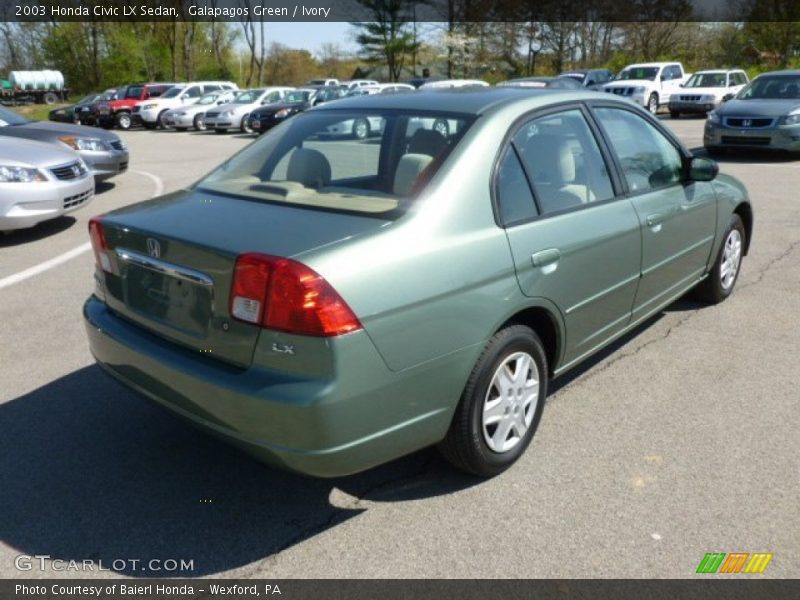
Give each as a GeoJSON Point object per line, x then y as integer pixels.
{"type": "Point", "coordinates": [663, 77]}
{"type": "Point", "coordinates": [703, 169]}
{"type": "Point", "coordinates": [591, 82]}
{"type": "Point", "coordinates": [727, 97]}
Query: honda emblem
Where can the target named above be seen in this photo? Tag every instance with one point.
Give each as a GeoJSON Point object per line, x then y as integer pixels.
{"type": "Point", "coordinates": [153, 247]}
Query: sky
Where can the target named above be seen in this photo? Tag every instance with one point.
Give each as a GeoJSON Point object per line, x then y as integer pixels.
{"type": "Point", "coordinates": [311, 36]}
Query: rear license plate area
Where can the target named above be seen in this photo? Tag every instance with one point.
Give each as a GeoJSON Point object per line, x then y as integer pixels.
{"type": "Point", "coordinates": [177, 303]}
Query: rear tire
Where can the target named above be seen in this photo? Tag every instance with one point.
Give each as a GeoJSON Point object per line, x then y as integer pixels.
{"type": "Point", "coordinates": [50, 98]}
{"type": "Point", "coordinates": [501, 405]}
{"type": "Point", "coordinates": [723, 275]}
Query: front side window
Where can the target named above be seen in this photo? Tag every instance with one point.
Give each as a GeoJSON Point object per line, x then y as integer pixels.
{"type": "Point", "coordinates": [564, 161]}
{"type": "Point", "coordinates": [193, 92]}
{"type": "Point", "coordinates": [649, 159]}
{"type": "Point", "coordinates": [134, 91]}
{"type": "Point", "coordinates": [312, 160]}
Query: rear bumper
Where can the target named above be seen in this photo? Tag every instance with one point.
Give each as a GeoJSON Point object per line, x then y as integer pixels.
{"type": "Point", "coordinates": [324, 427]}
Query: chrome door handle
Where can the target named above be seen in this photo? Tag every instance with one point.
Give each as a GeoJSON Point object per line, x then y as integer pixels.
{"type": "Point", "coordinates": [655, 219]}
{"type": "Point", "coordinates": [545, 257]}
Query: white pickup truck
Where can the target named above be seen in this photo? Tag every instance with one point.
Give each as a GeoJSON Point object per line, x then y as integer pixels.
{"type": "Point", "coordinates": [648, 84]}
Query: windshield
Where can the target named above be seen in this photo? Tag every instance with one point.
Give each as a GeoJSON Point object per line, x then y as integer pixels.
{"type": "Point", "coordinates": [9, 117]}
{"type": "Point", "coordinates": [313, 159]}
{"type": "Point", "coordinates": [772, 88]}
{"type": "Point", "coordinates": [109, 95]}
{"type": "Point", "coordinates": [297, 97]}
{"type": "Point", "coordinates": [248, 97]}
{"type": "Point", "coordinates": [172, 92]}
{"type": "Point", "coordinates": [701, 80]}
{"type": "Point", "coordinates": [317, 82]}
{"type": "Point", "coordinates": [208, 99]}
{"type": "Point", "coordinates": [639, 73]}
{"type": "Point", "coordinates": [134, 91]}
{"type": "Point", "coordinates": [87, 99]}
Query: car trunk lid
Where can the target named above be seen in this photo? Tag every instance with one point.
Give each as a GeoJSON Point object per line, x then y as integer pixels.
{"type": "Point", "coordinates": [173, 260]}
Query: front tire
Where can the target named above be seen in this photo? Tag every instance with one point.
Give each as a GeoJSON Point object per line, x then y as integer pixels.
{"type": "Point", "coordinates": [720, 281]}
{"type": "Point", "coordinates": [245, 127]}
{"type": "Point", "coordinates": [501, 405]}
{"type": "Point", "coordinates": [123, 120]}
{"type": "Point", "coordinates": [160, 119]}
{"type": "Point", "coordinates": [652, 103]}
{"type": "Point", "coordinates": [200, 122]}
{"type": "Point", "coordinates": [360, 129]}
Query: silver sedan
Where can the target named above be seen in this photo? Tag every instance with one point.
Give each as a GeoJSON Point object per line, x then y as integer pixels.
{"type": "Point", "coordinates": [103, 151]}
{"type": "Point", "coordinates": [193, 115]}
{"type": "Point", "coordinates": [40, 181]}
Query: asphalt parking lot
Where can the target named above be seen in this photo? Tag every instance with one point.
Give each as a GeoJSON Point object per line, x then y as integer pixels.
{"type": "Point", "coordinates": [679, 440]}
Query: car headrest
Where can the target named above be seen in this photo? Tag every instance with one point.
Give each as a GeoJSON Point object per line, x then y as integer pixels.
{"type": "Point", "coordinates": [408, 170]}
{"type": "Point", "coordinates": [551, 158]}
{"type": "Point", "coordinates": [309, 167]}
{"type": "Point", "coordinates": [427, 141]}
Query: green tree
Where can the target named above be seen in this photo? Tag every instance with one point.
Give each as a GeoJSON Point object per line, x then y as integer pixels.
{"type": "Point", "coordinates": [387, 39]}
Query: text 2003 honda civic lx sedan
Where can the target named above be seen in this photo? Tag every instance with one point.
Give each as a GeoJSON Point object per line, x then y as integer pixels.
{"type": "Point", "coordinates": [330, 304]}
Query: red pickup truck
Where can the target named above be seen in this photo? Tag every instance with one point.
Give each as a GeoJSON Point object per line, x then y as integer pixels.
{"type": "Point", "coordinates": [118, 112]}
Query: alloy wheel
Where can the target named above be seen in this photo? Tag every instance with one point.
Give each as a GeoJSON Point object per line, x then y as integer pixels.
{"type": "Point", "coordinates": [510, 402]}
{"type": "Point", "coordinates": [731, 259]}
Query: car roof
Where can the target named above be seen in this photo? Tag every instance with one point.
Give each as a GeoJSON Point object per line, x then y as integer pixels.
{"type": "Point", "coordinates": [472, 101]}
{"type": "Point", "coordinates": [783, 73]}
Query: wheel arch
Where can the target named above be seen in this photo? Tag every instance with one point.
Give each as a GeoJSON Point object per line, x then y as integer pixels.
{"type": "Point", "coordinates": [547, 326]}
{"type": "Point", "coordinates": [745, 212]}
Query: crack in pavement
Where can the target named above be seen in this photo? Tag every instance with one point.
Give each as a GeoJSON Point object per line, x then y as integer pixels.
{"type": "Point", "coordinates": [760, 274]}
{"type": "Point", "coordinates": [763, 271]}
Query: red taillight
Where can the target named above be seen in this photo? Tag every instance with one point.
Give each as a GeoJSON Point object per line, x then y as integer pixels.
{"type": "Point", "coordinates": [283, 294]}
{"type": "Point", "coordinates": [99, 244]}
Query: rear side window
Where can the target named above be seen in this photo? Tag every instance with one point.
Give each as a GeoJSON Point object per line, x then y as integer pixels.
{"type": "Point", "coordinates": [649, 159]}
{"type": "Point", "coordinates": [564, 161]}
{"type": "Point", "coordinates": [514, 198]}
{"type": "Point", "coordinates": [193, 92]}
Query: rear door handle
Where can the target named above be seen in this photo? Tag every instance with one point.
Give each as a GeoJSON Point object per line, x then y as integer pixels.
{"type": "Point", "coordinates": [545, 257]}
{"type": "Point", "coordinates": [655, 219]}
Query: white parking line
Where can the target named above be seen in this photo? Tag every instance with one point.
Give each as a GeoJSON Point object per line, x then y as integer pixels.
{"type": "Point", "coordinates": [70, 254]}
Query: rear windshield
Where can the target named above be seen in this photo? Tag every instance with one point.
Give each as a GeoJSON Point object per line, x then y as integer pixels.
{"type": "Point", "coordinates": [772, 88]}
{"type": "Point", "coordinates": [357, 161]}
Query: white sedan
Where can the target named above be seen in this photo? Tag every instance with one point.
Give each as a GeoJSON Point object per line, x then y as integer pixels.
{"type": "Point", "coordinates": [234, 114]}
{"type": "Point", "coordinates": [40, 181]}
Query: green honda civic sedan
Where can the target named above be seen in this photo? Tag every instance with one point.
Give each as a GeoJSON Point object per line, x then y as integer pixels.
{"type": "Point", "coordinates": [329, 304]}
